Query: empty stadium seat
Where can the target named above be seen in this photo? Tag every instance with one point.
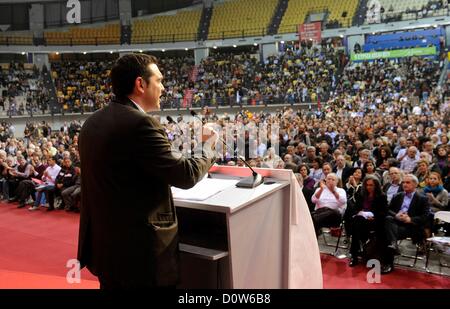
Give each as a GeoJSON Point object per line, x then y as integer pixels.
{"type": "Point", "coordinates": [182, 26]}
{"type": "Point", "coordinates": [297, 10]}
{"type": "Point", "coordinates": [241, 18]}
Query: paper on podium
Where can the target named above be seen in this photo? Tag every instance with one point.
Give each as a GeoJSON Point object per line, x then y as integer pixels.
{"type": "Point", "coordinates": [204, 189]}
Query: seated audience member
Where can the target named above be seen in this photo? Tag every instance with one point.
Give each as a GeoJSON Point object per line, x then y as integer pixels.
{"type": "Point", "coordinates": [48, 188]}
{"type": "Point", "coordinates": [326, 169]}
{"type": "Point", "coordinates": [354, 184]}
{"type": "Point", "coordinates": [408, 214]}
{"type": "Point", "coordinates": [437, 195]}
{"type": "Point", "coordinates": [316, 172]}
{"type": "Point", "coordinates": [391, 163]}
{"type": "Point", "coordinates": [295, 158]}
{"type": "Point", "coordinates": [324, 154]}
{"type": "Point", "coordinates": [408, 163]}
{"type": "Point", "coordinates": [330, 203]}
{"type": "Point", "coordinates": [71, 195]}
{"type": "Point", "coordinates": [21, 173]}
{"type": "Point", "coordinates": [441, 160]}
{"type": "Point", "coordinates": [308, 185]}
{"type": "Point", "coordinates": [364, 156]}
{"type": "Point", "coordinates": [65, 178]}
{"type": "Point", "coordinates": [8, 171]}
{"type": "Point", "coordinates": [310, 156]}
{"type": "Point", "coordinates": [341, 169]}
{"type": "Point", "coordinates": [367, 214]}
{"type": "Point", "coordinates": [27, 187]}
{"type": "Point", "coordinates": [369, 169]}
{"type": "Point", "coordinates": [422, 173]}
{"type": "Point", "coordinates": [382, 159]}
{"type": "Point", "coordinates": [394, 184]}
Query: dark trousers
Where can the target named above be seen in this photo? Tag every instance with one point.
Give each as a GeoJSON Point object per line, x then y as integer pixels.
{"type": "Point", "coordinates": [396, 230]}
{"type": "Point", "coordinates": [24, 190]}
{"type": "Point", "coordinates": [71, 196]}
{"type": "Point", "coordinates": [361, 229]}
{"type": "Point", "coordinates": [325, 217]}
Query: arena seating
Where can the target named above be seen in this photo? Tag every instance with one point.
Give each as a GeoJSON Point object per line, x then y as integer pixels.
{"type": "Point", "coordinates": [393, 10]}
{"type": "Point", "coordinates": [11, 38]}
{"type": "Point", "coordinates": [297, 10]}
{"type": "Point", "coordinates": [107, 34]}
{"type": "Point", "coordinates": [182, 26]}
{"type": "Point", "coordinates": [241, 18]}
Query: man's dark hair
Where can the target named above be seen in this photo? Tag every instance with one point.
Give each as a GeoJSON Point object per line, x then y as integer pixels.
{"type": "Point", "coordinates": [125, 71]}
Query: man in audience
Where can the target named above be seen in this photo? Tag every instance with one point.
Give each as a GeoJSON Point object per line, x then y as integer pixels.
{"type": "Point", "coordinates": [330, 203]}
{"type": "Point", "coordinates": [407, 215]}
{"type": "Point", "coordinates": [48, 187]}
{"type": "Point", "coordinates": [394, 184]}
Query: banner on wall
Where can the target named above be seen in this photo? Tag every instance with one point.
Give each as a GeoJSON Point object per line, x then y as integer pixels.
{"type": "Point", "coordinates": [310, 31]}
{"type": "Point", "coordinates": [396, 53]}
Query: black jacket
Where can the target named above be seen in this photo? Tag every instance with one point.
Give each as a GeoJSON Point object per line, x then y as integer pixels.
{"type": "Point", "coordinates": [128, 226]}
{"type": "Point", "coordinates": [419, 209]}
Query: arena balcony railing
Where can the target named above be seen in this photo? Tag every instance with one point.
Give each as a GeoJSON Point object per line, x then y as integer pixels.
{"type": "Point", "coordinates": [169, 104]}
{"type": "Point", "coordinates": [232, 101]}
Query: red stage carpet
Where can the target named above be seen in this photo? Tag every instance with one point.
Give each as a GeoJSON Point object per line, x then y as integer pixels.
{"type": "Point", "coordinates": [35, 247]}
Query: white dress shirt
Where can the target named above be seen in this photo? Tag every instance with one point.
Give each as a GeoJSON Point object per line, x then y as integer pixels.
{"type": "Point", "coordinates": [53, 172]}
{"type": "Point", "coordinates": [327, 199]}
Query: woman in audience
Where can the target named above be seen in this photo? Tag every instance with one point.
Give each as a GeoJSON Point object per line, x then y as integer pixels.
{"type": "Point", "coordinates": [369, 169]}
{"type": "Point", "coordinates": [437, 195]}
{"type": "Point", "coordinates": [422, 173]}
{"type": "Point", "coordinates": [308, 182]}
{"type": "Point", "coordinates": [367, 215]}
{"type": "Point", "coordinates": [441, 160]}
{"type": "Point", "coordinates": [308, 185]}
{"type": "Point", "coordinates": [382, 159]}
{"type": "Point", "coordinates": [316, 171]}
{"type": "Point", "coordinates": [353, 185]}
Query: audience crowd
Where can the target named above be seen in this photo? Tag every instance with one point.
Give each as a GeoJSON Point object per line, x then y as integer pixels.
{"type": "Point", "coordinates": [41, 166]}
{"type": "Point", "coordinates": [22, 91]}
{"type": "Point", "coordinates": [373, 156]}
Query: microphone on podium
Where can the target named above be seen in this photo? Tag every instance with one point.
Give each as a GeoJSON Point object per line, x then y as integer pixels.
{"type": "Point", "coordinates": [247, 182]}
{"type": "Point", "coordinates": [170, 120]}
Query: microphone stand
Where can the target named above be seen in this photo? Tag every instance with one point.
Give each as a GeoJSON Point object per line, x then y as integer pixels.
{"type": "Point", "coordinates": [247, 182]}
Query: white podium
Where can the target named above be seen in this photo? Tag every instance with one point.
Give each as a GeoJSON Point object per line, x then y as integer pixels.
{"type": "Point", "coordinates": [260, 238]}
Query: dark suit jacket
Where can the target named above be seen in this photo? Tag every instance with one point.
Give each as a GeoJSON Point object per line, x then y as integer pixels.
{"type": "Point", "coordinates": [379, 208]}
{"type": "Point", "coordinates": [346, 173]}
{"type": "Point", "coordinates": [419, 209]}
{"type": "Point", "coordinates": [128, 227]}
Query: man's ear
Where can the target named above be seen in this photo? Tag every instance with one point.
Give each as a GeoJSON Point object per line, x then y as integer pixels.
{"type": "Point", "coordinates": [139, 85]}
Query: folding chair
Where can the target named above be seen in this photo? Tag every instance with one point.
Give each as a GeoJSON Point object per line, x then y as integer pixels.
{"type": "Point", "coordinates": [441, 243]}
{"type": "Point", "coordinates": [340, 231]}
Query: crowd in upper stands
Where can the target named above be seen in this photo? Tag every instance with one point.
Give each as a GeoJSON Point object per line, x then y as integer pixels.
{"type": "Point", "coordinates": [301, 74]}
{"type": "Point", "coordinates": [22, 90]}
{"type": "Point", "coordinates": [397, 11]}
{"type": "Point", "coordinates": [82, 86]}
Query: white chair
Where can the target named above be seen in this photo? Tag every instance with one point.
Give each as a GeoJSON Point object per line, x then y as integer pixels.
{"type": "Point", "coordinates": [442, 244]}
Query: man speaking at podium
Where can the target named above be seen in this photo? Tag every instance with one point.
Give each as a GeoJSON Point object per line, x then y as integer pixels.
{"type": "Point", "coordinates": [128, 226]}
